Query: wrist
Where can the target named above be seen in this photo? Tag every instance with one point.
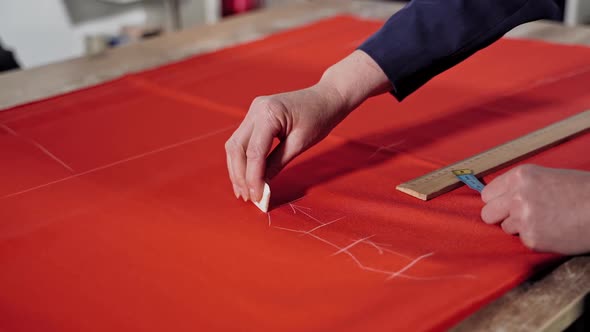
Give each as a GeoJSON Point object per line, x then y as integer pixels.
{"type": "Point", "coordinates": [355, 78]}
{"type": "Point", "coordinates": [334, 100]}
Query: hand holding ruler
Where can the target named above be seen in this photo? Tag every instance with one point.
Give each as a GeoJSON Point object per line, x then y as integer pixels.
{"type": "Point", "coordinates": [446, 179]}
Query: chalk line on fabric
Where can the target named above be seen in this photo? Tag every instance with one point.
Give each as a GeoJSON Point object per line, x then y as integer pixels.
{"type": "Point", "coordinates": [537, 84]}
{"type": "Point", "coordinates": [38, 146]}
{"type": "Point", "coordinates": [366, 240]}
{"type": "Point", "coordinates": [353, 257]}
{"type": "Point", "coordinates": [381, 250]}
{"type": "Point", "coordinates": [189, 99]}
{"type": "Point", "coordinates": [51, 155]}
{"type": "Point", "coordinates": [412, 263]}
{"type": "Point", "coordinates": [290, 204]}
{"type": "Point", "coordinates": [388, 148]}
{"type": "Point", "coordinates": [122, 161]}
{"type": "Point", "coordinates": [9, 130]}
{"type": "Point", "coordinates": [352, 245]}
{"type": "Point", "coordinates": [324, 225]}
{"type": "Point", "coordinates": [289, 229]}
{"type": "Point", "coordinates": [553, 79]}
{"type": "Point", "coordinates": [300, 209]}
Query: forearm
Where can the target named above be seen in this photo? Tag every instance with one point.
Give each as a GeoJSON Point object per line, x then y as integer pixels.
{"type": "Point", "coordinates": [354, 79]}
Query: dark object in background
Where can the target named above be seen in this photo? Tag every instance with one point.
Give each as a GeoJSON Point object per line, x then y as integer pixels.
{"type": "Point", "coordinates": [7, 60]}
{"type": "Point", "coordinates": [561, 4]}
{"type": "Point", "coordinates": [231, 7]}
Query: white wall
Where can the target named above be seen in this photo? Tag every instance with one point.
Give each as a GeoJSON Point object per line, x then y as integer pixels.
{"type": "Point", "coordinates": [577, 12]}
{"type": "Point", "coordinates": [40, 31]}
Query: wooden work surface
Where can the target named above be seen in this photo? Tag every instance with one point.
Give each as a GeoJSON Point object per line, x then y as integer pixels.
{"type": "Point", "coordinates": [549, 303]}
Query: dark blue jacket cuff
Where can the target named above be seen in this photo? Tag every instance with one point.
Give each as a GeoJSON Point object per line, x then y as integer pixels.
{"type": "Point", "coordinates": [428, 37]}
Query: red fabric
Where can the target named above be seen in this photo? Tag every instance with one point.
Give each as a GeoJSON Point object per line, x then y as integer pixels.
{"type": "Point", "coordinates": [144, 233]}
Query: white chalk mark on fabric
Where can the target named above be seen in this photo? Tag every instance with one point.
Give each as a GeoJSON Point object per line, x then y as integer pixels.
{"type": "Point", "coordinates": [412, 263]}
{"type": "Point", "coordinates": [308, 215]}
{"type": "Point", "coordinates": [38, 146]}
{"type": "Point", "coordinates": [401, 273]}
{"type": "Point", "coordinates": [381, 250]}
{"type": "Point", "coordinates": [352, 245]}
{"type": "Point", "coordinates": [122, 161]}
{"type": "Point", "coordinates": [387, 148]}
{"type": "Point", "coordinates": [324, 225]}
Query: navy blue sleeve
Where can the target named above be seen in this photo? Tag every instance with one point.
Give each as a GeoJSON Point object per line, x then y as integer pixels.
{"type": "Point", "coordinates": [428, 37]}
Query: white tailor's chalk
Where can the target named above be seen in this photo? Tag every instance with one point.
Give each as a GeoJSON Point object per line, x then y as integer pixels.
{"type": "Point", "coordinates": [265, 200]}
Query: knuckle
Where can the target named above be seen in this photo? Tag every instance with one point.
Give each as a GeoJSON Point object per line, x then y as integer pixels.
{"type": "Point", "coordinates": [231, 146]}
{"type": "Point", "coordinates": [272, 110]}
{"type": "Point", "coordinates": [251, 181]}
{"type": "Point", "coordinates": [526, 214]}
{"type": "Point", "coordinates": [269, 106]}
{"type": "Point", "coordinates": [486, 194]}
{"type": "Point", "coordinates": [264, 104]}
{"type": "Point", "coordinates": [506, 227]}
{"type": "Point", "coordinates": [269, 110]}
{"type": "Point", "coordinates": [485, 214]}
{"type": "Point", "coordinates": [240, 181]}
{"type": "Point", "coordinates": [271, 113]}
{"type": "Point", "coordinates": [518, 200]}
{"type": "Point", "coordinates": [531, 240]}
{"type": "Point", "coordinates": [260, 100]}
{"type": "Point", "coordinates": [524, 209]}
{"type": "Point", "coordinates": [527, 169]}
{"type": "Point", "coordinates": [524, 173]}
{"type": "Point", "coordinates": [518, 175]}
{"type": "Point", "coordinates": [254, 152]}
{"type": "Point", "coordinates": [529, 227]}
{"type": "Point", "coordinates": [528, 240]}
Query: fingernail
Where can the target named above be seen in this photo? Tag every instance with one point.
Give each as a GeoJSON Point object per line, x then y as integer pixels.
{"type": "Point", "coordinates": [244, 197]}
{"type": "Point", "coordinates": [236, 192]}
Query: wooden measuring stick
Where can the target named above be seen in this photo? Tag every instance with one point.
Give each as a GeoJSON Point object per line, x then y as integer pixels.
{"type": "Point", "coordinates": [443, 180]}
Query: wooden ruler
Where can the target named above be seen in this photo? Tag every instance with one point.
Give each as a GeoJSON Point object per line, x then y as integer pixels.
{"type": "Point", "coordinates": [443, 180]}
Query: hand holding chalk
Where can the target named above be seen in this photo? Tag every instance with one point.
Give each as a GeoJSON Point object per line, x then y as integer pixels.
{"type": "Point", "coordinates": [299, 119]}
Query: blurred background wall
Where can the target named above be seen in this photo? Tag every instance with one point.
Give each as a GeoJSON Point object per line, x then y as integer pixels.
{"type": "Point", "coordinates": [46, 31]}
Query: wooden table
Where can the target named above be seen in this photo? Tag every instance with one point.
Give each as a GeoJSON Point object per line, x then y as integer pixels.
{"type": "Point", "coordinates": [548, 303]}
